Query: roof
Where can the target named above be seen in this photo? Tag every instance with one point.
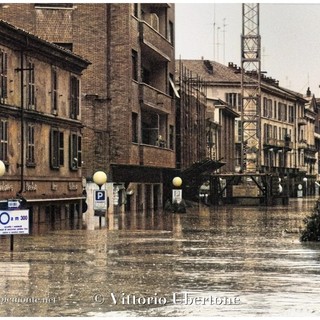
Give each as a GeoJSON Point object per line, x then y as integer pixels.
{"type": "Point", "coordinates": [20, 38]}
{"type": "Point", "coordinates": [201, 167]}
{"type": "Point", "coordinates": [219, 74]}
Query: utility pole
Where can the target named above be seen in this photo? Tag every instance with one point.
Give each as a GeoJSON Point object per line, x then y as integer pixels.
{"type": "Point", "coordinates": [224, 40]}
{"type": "Point", "coordinates": [250, 89]}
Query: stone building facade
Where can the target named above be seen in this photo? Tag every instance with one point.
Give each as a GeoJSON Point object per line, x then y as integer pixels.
{"type": "Point", "coordinates": [40, 125]}
{"type": "Point", "coordinates": [286, 124]}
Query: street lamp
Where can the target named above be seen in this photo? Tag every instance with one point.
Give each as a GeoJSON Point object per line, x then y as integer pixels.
{"type": "Point", "coordinates": [305, 179]}
{"type": "Point", "coordinates": [177, 192]}
{"type": "Point", "coordinates": [99, 178]}
{"type": "Point", "coordinates": [177, 203]}
{"type": "Point", "coordinates": [2, 168]}
{"type": "Point", "coordinates": [177, 182]}
{"type": "Point", "coordinates": [100, 198]}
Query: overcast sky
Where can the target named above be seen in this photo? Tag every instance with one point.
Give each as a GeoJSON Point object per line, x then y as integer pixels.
{"type": "Point", "coordinates": [290, 39]}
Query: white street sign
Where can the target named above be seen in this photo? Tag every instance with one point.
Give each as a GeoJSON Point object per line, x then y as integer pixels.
{"type": "Point", "coordinates": [176, 195]}
{"type": "Point", "coordinates": [14, 222]}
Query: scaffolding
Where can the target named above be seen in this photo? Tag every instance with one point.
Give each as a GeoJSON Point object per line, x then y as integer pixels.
{"type": "Point", "coordinates": [250, 89]}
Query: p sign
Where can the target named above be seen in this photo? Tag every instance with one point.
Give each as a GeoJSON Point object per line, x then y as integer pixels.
{"type": "Point", "coordinates": [100, 200]}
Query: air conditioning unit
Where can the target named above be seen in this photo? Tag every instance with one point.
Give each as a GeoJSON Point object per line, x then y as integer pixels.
{"type": "Point", "coordinates": [154, 21]}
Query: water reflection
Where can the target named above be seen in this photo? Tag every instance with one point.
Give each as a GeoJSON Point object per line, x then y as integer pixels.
{"type": "Point", "coordinates": [138, 261]}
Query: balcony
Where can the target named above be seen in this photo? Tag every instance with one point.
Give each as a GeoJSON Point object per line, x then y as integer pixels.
{"type": "Point", "coordinates": [285, 144]}
{"type": "Point", "coordinates": [311, 148]}
{"type": "Point", "coordinates": [156, 156]}
{"type": "Point", "coordinates": [278, 144]}
{"type": "Point", "coordinates": [155, 42]}
{"type": "Point", "coordinates": [271, 142]}
{"type": "Point", "coordinates": [302, 121]}
{"type": "Point", "coordinates": [302, 144]}
{"type": "Point", "coordinates": [154, 98]}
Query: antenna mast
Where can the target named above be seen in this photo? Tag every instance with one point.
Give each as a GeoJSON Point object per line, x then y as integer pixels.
{"type": "Point", "coordinates": [250, 88]}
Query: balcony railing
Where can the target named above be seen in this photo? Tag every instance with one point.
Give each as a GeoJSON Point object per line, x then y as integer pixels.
{"type": "Point", "coordinates": [311, 147]}
{"type": "Point", "coordinates": [155, 41]}
{"type": "Point", "coordinates": [302, 144]}
{"type": "Point", "coordinates": [278, 144]}
{"type": "Point", "coordinates": [154, 98]}
{"type": "Point", "coordinates": [302, 121]}
{"type": "Point", "coordinates": [156, 156]}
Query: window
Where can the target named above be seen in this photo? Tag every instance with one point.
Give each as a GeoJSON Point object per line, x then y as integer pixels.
{"type": "Point", "coordinates": [291, 114]}
{"type": "Point", "coordinates": [171, 33]}
{"type": "Point", "coordinates": [75, 151]}
{"type": "Point", "coordinates": [275, 132]}
{"type": "Point", "coordinates": [269, 108]}
{"type": "Point", "coordinates": [30, 145]}
{"type": "Point", "coordinates": [74, 97]}
{"type": "Point", "coordinates": [171, 137]}
{"type": "Point", "coordinates": [134, 127]}
{"type": "Point", "coordinates": [31, 102]}
{"type": "Point", "coordinates": [234, 100]}
{"type": "Point", "coordinates": [154, 21]}
{"type": "Point", "coordinates": [265, 110]}
{"type": "Point", "coordinates": [154, 128]}
{"type": "Point", "coordinates": [134, 56]}
{"type": "Point", "coordinates": [3, 76]}
{"type": "Point", "coordinates": [282, 112]}
{"type": "Point", "coordinates": [54, 91]}
{"type": "Point", "coordinates": [56, 149]}
{"type": "Point", "coordinates": [4, 140]}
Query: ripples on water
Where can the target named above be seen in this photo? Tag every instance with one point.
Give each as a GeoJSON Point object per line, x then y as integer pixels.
{"type": "Point", "coordinates": [252, 254]}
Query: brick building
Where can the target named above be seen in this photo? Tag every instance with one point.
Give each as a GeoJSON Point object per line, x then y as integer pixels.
{"type": "Point", "coordinates": [127, 102]}
{"type": "Point", "coordinates": [40, 125]}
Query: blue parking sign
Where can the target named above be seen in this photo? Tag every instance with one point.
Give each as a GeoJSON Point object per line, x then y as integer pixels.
{"type": "Point", "coordinates": [100, 200]}
{"type": "Point", "coordinates": [100, 195]}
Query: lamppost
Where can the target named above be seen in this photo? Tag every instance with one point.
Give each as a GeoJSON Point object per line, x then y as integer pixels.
{"type": "Point", "coordinates": [2, 168]}
{"type": "Point", "coordinates": [177, 203]}
{"type": "Point", "coordinates": [305, 179]}
{"type": "Point", "coordinates": [99, 178]}
{"type": "Point", "coordinates": [100, 197]}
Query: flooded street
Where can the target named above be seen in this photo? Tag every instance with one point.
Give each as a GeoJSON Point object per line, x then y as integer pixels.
{"type": "Point", "coordinates": [226, 261]}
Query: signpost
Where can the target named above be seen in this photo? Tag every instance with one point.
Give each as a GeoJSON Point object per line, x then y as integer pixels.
{"type": "Point", "coordinates": [14, 222]}
{"type": "Point", "coordinates": [176, 196]}
{"type": "Point", "coordinates": [100, 200]}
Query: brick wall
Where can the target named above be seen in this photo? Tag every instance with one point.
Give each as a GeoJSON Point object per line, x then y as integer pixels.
{"type": "Point", "coordinates": [107, 96]}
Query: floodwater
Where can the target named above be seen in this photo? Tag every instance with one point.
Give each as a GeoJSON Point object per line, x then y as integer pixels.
{"type": "Point", "coordinates": [226, 261]}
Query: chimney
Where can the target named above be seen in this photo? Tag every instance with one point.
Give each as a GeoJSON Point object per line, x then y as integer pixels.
{"type": "Point", "coordinates": [308, 92]}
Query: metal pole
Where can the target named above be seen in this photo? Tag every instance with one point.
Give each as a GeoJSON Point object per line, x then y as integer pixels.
{"type": "Point", "coordinates": [22, 124]}
{"type": "Point", "coordinates": [11, 242]}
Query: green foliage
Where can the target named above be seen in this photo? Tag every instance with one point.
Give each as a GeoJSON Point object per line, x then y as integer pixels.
{"type": "Point", "coordinates": [312, 229]}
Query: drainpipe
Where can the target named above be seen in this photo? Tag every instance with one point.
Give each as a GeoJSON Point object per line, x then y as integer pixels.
{"type": "Point", "coordinates": [22, 125]}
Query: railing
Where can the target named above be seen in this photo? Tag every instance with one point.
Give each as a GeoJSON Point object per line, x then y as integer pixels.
{"type": "Point", "coordinates": [302, 121]}
{"type": "Point", "coordinates": [155, 98]}
{"type": "Point", "coordinates": [157, 156]}
{"type": "Point", "coordinates": [278, 143]}
{"type": "Point", "coordinates": [154, 40]}
{"type": "Point", "coordinates": [302, 144]}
